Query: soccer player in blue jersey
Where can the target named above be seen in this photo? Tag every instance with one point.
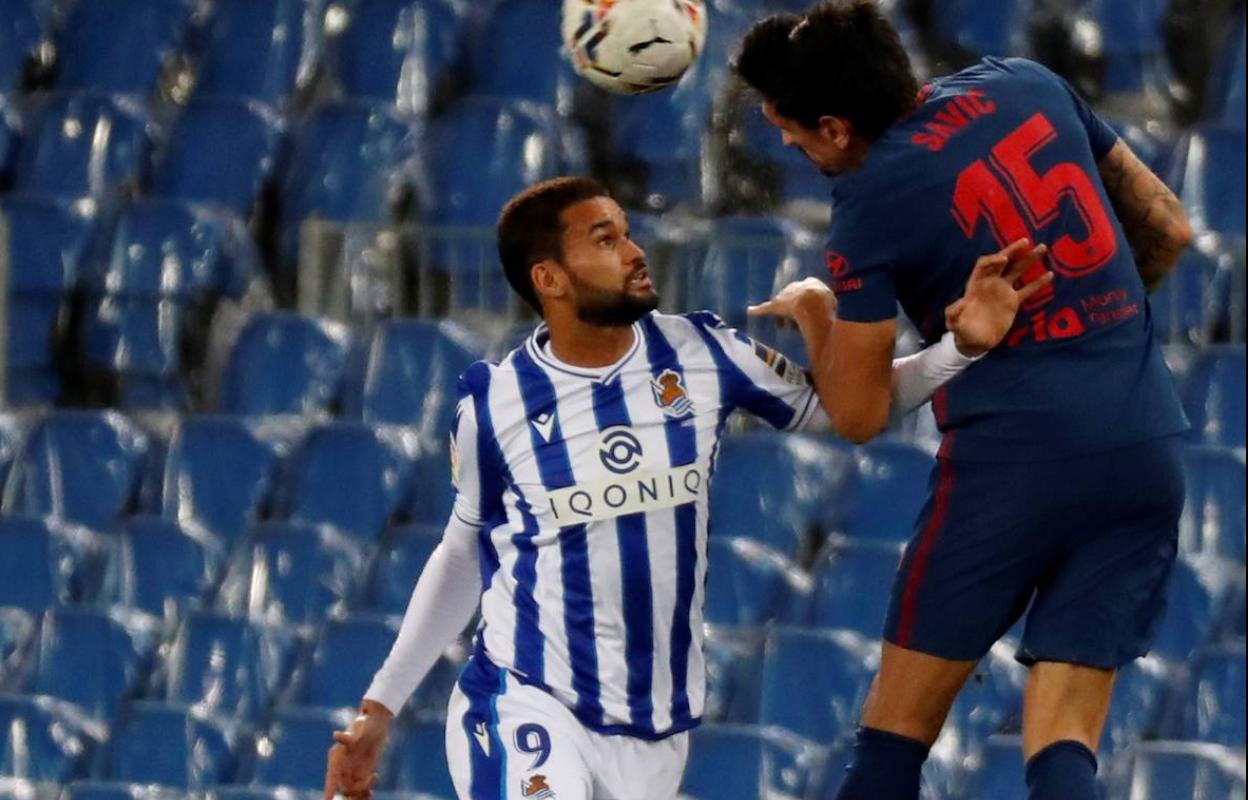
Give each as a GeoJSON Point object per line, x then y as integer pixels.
{"type": "Point", "coordinates": [1059, 482]}
{"type": "Point", "coordinates": [582, 462]}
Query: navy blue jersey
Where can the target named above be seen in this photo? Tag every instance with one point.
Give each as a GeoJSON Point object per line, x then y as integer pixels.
{"type": "Point", "coordinates": [1001, 151]}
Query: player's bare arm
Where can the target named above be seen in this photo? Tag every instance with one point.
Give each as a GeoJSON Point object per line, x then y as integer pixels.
{"type": "Point", "coordinates": [352, 770]}
{"type": "Point", "coordinates": [852, 361]}
{"type": "Point", "coordinates": [1152, 217]}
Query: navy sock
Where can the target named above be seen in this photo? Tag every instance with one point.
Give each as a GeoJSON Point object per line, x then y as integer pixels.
{"type": "Point", "coordinates": [1064, 770]}
{"type": "Point", "coordinates": [886, 766]}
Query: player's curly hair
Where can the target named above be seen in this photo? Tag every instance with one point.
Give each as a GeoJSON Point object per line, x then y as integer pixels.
{"type": "Point", "coordinates": [843, 59]}
{"type": "Point", "coordinates": [530, 228]}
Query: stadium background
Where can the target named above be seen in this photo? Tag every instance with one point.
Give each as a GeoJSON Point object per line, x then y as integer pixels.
{"type": "Point", "coordinates": [221, 481]}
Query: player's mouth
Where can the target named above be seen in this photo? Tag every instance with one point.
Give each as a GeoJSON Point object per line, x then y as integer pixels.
{"type": "Point", "coordinates": [641, 280]}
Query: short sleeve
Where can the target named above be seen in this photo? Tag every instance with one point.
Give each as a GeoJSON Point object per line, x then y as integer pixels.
{"type": "Point", "coordinates": [861, 273]}
{"type": "Point", "coordinates": [466, 464]}
{"type": "Point", "coordinates": [1101, 136]}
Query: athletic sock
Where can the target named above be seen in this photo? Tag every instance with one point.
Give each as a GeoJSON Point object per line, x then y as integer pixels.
{"type": "Point", "coordinates": [1064, 770]}
{"type": "Point", "coordinates": [885, 766]}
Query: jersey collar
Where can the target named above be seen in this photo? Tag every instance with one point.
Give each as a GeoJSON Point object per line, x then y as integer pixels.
{"type": "Point", "coordinates": [538, 348]}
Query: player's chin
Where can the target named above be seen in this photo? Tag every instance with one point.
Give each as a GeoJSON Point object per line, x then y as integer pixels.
{"type": "Point", "coordinates": [644, 296]}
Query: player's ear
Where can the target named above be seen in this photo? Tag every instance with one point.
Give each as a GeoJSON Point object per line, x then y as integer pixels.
{"type": "Point", "coordinates": [838, 129]}
{"type": "Point", "coordinates": [549, 278]}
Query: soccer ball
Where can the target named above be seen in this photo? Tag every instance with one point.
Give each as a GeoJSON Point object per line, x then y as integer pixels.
{"type": "Point", "coordinates": [633, 46]}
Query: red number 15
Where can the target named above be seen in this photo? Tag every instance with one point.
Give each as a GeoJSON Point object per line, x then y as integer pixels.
{"type": "Point", "coordinates": [981, 194]}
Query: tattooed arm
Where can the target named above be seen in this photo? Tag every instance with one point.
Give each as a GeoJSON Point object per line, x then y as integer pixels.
{"type": "Point", "coordinates": [1152, 217]}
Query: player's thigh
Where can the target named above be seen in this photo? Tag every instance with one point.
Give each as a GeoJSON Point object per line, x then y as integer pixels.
{"type": "Point", "coordinates": [517, 743]}
{"type": "Point", "coordinates": [913, 692]}
{"type": "Point", "coordinates": [628, 768]}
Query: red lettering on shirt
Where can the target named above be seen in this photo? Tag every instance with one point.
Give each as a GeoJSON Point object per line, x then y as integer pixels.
{"type": "Point", "coordinates": [953, 117]}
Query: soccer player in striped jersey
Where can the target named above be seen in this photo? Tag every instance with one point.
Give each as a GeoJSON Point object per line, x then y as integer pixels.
{"type": "Point", "coordinates": [582, 463]}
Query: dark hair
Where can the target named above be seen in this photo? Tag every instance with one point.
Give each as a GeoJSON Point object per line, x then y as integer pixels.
{"type": "Point", "coordinates": [843, 59]}
{"type": "Point", "coordinates": [530, 228]}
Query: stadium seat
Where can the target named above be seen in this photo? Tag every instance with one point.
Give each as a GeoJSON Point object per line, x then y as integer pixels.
{"type": "Point", "coordinates": [1135, 713]}
{"type": "Point", "coordinates": [779, 489]}
{"type": "Point", "coordinates": [79, 145]}
{"type": "Point", "coordinates": [985, 29]}
{"type": "Point", "coordinates": [21, 789]}
{"type": "Point", "coordinates": [44, 262]}
{"type": "Point", "coordinates": [1132, 46]}
{"type": "Point", "coordinates": [19, 639]}
{"type": "Point", "coordinates": [1168, 769]}
{"type": "Point", "coordinates": [352, 161]}
{"type": "Point", "coordinates": [94, 659]}
{"type": "Point", "coordinates": [1213, 707]}
{"type": "Point", "coordinates": [397, 566]}
{"type": "Point", "coordinates": [420, 759]}
{"type": "Point", "coordinates": [222, 151]}
{"type": "Point", "coordinates": [1228, 99]}
{"type": "Point", "coordinates": [348, 653]}
{"type": "Point", "coordinates": [119, 790]}
{"type": "Point", "coordinates": [750, 584]}
{"type": "Point", "coordinates": [744, 255]}
{"type": "Point", "coordinates": [45, 563]}
{"type": "Point", "coordinates": [162, 567]}
{"type": "Point", "coordinates": [150, 300]}
{"type": "Point", "coordinates": [1214, 396]}
{"type": "Point", "coordinates": [853, 583]}
{"type": "Point", "coordinates": [761, 139]}
{"type": "Point", "coordinates": [734, 659]}
{"type": "Point", "coordinates": [1213, 517]}
{"type": "Point", "coordinates": [352, 477]}
{"type": "Point", "coordinates": [990, 702]}
{"type": "Point", "coordinates": [292, 574]}
{"type": "Point", "coordinates": [249, 793]}
{"type": "Point", "coordinates": [10, 134]}
{"type": "Point", "coordinates": [1156, 149]}
{"type": "Point", "coordinates": [197, 749]}
{"type": "Point", "coordinates": [228, 665]}
{"type": "Point", "coordinates": [120, 45]}
{"type": "Point", "coordinates": [831, 669]}
{"type": "Point", "coordinates": [1190, 304]}
{"type": "Point", "coordinates": [1211, 191]}
{"type": "Point", "coordinates": [80, 466]}
{"type": "Point", "coordinates": [402, 52]}
{"type": "Point", "coordinates": [292, 752]}
{"type": "Point", "coordinates": [219, 475]}
{"type": "Point", "coordinates": [1193, 610]}
{"type": "Point", "coordinates": [263, 51]}
{"type": "Point", "coordinates": [21, 33]}
{"type": "Point", "coordinates": [44, 739]}
{"type": "Point", "coordinates": [1000, 772]}
{"type": "Point", "coordinates": [745, 762]}
{"type": "Point", "coordinates": [285, 363]}
{"type": "Point", "coordinates": [891, 488]}
{"type": "Point", "coordinates": [518, 54]}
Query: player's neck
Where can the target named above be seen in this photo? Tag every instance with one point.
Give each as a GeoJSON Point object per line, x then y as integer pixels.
{"type": "Point", "coordinates": [579, 344]}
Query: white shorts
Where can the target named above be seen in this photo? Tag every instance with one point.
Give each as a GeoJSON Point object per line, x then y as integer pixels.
{"type": "Point", "coordinates": [520, 743]}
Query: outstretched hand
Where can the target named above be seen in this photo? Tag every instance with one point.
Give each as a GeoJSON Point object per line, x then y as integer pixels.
{"type": "Point", "coordinates": [985, 313]}
{"type": "Point", "coordinates": [352, 768]}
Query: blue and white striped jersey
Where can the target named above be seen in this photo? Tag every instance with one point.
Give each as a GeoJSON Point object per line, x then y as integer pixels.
{"type": "Point", "coordinates": [590, 491]}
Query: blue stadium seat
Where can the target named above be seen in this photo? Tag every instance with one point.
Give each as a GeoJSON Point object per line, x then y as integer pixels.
{"type": "Point", "coordinates": [985, 29]}
{"type": "Point", "coordinates": [1190, 304]}
{"type": "Point", "coordinates": [222, 151]}
{"type": "Point", "coordinates": [853, 583]}
{"type": "Point", "coordinates": [749, 584]}
{"type": "Point", "coordinates": [1211, 190]}
{"type": "Point", "coordinates": [10, 132]}
{"type": "Point", "coordinates": [1140, 690]}
{"type": "Point", "coordinates": [12, 431]}
{"type": "Point", "coordinates": [197, 749]}
{"type": "Point", "coordinates": [45, 739]}
{"type": "Point", "coordinates": [21, 32]}
{"type": "Point", "coordinates": [232, 666]}
{"type": "Point", "coordinates": [831, 669]}
{"type": "Point", "coordinates": [352, 161]}
{"type": "Point", "coordinates": [1193, 610]}
{"type": "Point", "coordinates": [120, 45]}
{"type": "Point", "coordinates": [518, 53]}
{"type": "Point", "coordinates": [798, 180]}
{"type": "Point", "coordinates": [1214, 706]}
{"type": "Point", "coordinates": [1169, 769]}
{"type": "Point", "coordinates": [284, 363]}
{"type": "Point", "coordinates": [742, 259]}
{"type": "Point", "coordinates": [250, 793]}
{"type": "Point", "coordinates": [400, 51]}
{"type": "Point", "coordinates": [44, 264]}
{"type": "Point", "coordinates": [94, 659]}
{"type": "Point", "coordinates": [80, 466]}
{"type": "Point", "coordinates": [990, 702]}
{"type": "Point", "coordinates": [746, 762]}
{"type": "Point", "coordinates": [891, 487]}
{"type": "Point", "coordinates": [292, 752]}
{"type": "Point", "coordinates": [1228, 99]}
{"type": "Point", "coordinates": [1213, 517]}
{"type": "Point", "coordinates": [260, 50]}
{"type": "Point", "coordinates": [778, 488]}
{"type": "Point", "coordinates": [292, 574]}
{"type": "Point", "coordinates": [1156, 149]}
{"type": "Point", "coordinates": [1000, 772]}
{"type": "Point", "coordinates": [162, 567]}
{"type": "Point", "coordinates": [83, 144]}
{"type": "Point", "coordinates": [22, 789]}
{"type": "Point", "coordinates": [419, 759]}
{"type": "Point", "coordinates": [398, 565]}
{"type": "Point", "coordinates": [219, 476]}
{"type": "Point", "coordinates": [150, 297]}
{"type": "Point", "coordinates": [1131, 42]}
{"type": "Point", "coordinates": [19, 638]}
{"type": "Point", "coordinates": [45, 563]}
{"type": "Point", "coordinates": [1214, 396]}
{"type": "Point", "coordinates": [119, 790]}
{"type": "Point", "coordinates": [352, 477]}
{"type": "Point", "coordinates": [348, 653]}
{"type": "Point", "coordinates": [734, 661]}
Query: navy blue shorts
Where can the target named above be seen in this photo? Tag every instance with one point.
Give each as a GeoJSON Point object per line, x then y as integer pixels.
{"type": "Point", "coordinates": [1088, 542]}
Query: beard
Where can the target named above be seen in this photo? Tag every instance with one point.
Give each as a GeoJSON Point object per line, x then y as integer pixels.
{"type": "Point", "coordinates": [612, 309]}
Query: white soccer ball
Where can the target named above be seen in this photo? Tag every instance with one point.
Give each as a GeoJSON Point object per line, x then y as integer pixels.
{"type": "Point", "coordinates": [633, 46]}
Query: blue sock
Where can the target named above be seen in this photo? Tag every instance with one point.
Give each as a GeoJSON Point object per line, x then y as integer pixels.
{"type": "Point", "coordinates": [1064, 770]}
{"type": "Point", "coordinates": [886, 766]}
